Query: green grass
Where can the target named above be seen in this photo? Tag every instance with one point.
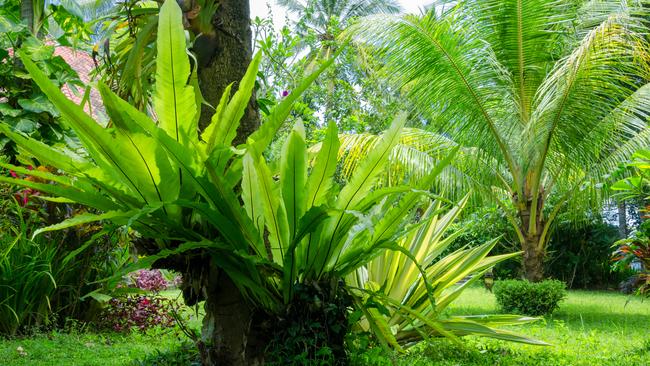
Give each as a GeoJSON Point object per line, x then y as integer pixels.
{"type": "Point", "coordinates": [590, 328]}
{"type": "Point", "coordinates": [85, 349]}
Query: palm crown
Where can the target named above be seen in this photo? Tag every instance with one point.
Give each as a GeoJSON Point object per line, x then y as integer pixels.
{"type": "Point", "coordinates": [543, 95]}
{"type": "Point", "coordinates": [320, 12]}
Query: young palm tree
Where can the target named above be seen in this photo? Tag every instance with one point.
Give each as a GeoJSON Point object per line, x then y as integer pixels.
{"type": "Point", "coordinates": [545, 96]}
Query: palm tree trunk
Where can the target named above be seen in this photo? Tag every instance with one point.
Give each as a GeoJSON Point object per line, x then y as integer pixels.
{"type": "Point", "coordinates": [533, 259]}
{"type": "Point", "coordinates": [534, 250]}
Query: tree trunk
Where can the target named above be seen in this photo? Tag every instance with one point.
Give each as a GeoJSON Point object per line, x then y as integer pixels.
{"type": "Point", "coordinates": [225, 337]}
{"type": "Point", "coordinates": [622, 219]}
{"type": "Point", "coordinates": [223, 54]}
{"type": "Point", "coordinates": [534, 251]}
{"type": "Point", "coordinates": [533, 259]}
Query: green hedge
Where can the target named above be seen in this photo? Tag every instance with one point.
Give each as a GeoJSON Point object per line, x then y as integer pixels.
{"type": "Point", "coordinates": [528, 298]}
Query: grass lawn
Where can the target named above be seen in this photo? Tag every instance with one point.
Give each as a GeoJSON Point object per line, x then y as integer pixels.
{"type": "Point", "coordinates": [590, 328]}
{"type": "Point", "coordinates": [111, 349]}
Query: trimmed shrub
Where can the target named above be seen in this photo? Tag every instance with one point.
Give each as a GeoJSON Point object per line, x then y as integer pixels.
{"type": "Point", "coordinates": [529, 298]}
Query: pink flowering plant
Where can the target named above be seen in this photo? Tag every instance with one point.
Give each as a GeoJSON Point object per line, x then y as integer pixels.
{"type": "Point", "coordinates": [141, 313]}
{"type": "Point", "coordinates": [149, 280]}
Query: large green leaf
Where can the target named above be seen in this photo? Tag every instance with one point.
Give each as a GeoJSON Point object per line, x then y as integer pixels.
{"type": "Point", "coordinates": [320, 178]}
{"type": "Point", "coordinates": [250, 195]}
{"type": "Point", "coordinates": [223, 128]}
{"type": "Point", "coordinates": [360, 184]}
{"type": "Point", "coordinates": [293, 177]}
{"type": "Point", "coordinates": [174, 99]}
{"type": "Point", "coordinates": [373, 164]}
{"type": "Point", "coordinates": [275, 216]}
{"type": "Point", "coordinates": [86, 218]}
{"type": "Point", "coordinates": [114, 157]}
{"type": "Point", "coordinates": [149, 156]}
{"type": "Point", "coordinates": [465, 326]}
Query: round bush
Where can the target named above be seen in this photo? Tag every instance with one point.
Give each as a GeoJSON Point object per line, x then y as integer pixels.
{"type": "Point", "coordinates": [529, 298]}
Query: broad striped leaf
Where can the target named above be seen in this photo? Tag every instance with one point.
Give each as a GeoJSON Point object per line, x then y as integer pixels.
{"type": "Point", "coordinates": [293, 176]}
{"type": "Point", "coordinates": [86, 218]}
{"type": "Point", "coordinates": [173, 99]}
{"type": "Point", "coordinates": [320, 182]}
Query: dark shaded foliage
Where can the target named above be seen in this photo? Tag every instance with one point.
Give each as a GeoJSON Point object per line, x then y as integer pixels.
{"type": "Point", "coordinates": [579, 255]}
{"type": "Point", "coordinates": [313, 328]}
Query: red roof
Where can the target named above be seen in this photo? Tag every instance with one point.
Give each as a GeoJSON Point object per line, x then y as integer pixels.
{"type": "Point", "coordinates": [83, 64]}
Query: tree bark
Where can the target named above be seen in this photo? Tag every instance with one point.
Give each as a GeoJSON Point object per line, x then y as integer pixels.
{"type": "Point", "coordinates": [534, 251]}
{"type": "Point", "coordinates": [225, 336]}
{"type": "Point", "coordinates": [27, 13]}
{"type": "Point", "coordinates": [533, 259]}
{"type": "Point", "coordinates": [223, 55]}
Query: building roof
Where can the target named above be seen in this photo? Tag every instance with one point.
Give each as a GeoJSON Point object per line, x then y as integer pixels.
{"type": "Point", "coordinates": [83, 64]}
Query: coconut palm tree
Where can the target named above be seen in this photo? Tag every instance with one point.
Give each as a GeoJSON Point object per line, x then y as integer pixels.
{"type": "Point", "coordinates": [544, 96]}
{"type": "Point", "coordinates": [322, 17]}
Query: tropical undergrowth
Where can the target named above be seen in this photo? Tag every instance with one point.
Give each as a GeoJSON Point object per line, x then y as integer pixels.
{"type": "Point", "coordinates": [43, 280]}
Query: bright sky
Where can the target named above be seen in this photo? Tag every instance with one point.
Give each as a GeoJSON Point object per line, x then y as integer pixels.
{"type": "Point", "coordinates": [260, 8]}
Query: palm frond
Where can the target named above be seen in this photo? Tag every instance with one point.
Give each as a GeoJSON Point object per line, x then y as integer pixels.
{"type": "Point", "coordinates": [450, 74]}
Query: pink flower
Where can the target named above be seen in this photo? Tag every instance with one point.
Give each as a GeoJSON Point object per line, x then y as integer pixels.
{"type": "Point", "coordinates": [13, 174]}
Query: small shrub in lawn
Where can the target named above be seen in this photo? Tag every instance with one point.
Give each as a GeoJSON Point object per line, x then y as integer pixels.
{"type": "Point", "coordinates": [138, 312]}
{"type": "Point", "coordinates": [529, 298]}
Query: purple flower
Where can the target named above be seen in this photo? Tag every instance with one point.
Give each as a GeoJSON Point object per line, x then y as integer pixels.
{"type": "Point", "coordinates": [150, 280]}
{"type": "Point", "coordinates": [285, 93]}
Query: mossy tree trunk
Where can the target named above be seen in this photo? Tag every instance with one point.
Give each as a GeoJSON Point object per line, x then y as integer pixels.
{"type": "Point", "coordinates": [223, 55]}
